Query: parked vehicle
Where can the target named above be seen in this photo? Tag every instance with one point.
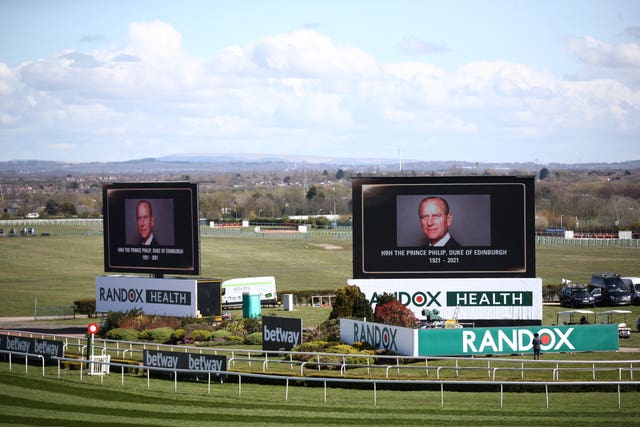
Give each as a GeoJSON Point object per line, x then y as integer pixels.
{"type": "Point", "coordinates": [618, 317]}
{"type": "Point", "coordinates": [633, 285]}
{"type": "Point", "coordinates": [576, 295]}
{"type": "Point", "coordinates": [233, 289]}
{"type": "Point", "coordinates": [613, 290]}
{"type": "Point", "coordinates": [574, 317]}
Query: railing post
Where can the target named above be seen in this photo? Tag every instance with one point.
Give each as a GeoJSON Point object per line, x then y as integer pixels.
{"type": "Point", "coordinates": [546, 394]}
{"type": "Point", "coordinates": [375, 394]}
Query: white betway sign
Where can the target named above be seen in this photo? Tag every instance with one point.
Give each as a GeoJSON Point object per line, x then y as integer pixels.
{"type": "Point", "coordinates": [165, 297]}
{"type": "Point", "coordinates": [499, 298]}
{"type": "Point", "coordinates": [382, 337]}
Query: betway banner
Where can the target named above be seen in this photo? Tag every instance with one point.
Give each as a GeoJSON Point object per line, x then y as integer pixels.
{"type": "Point", "coordinates": [179, 360]}
{"type": "Point", "coordinates": [281, 333]}
{"type": "Point", "coordinates": [165, 297]}
{"type": "Point", "coordinates": [480, 341]}
{"type": "Point", "coordinates": [45, 348]}
{"type": "Point", "coordinates": [382, 337]}
{"type": "Point", "coordinates": [511, 299]}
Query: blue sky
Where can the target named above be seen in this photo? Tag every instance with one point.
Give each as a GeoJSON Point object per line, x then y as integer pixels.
{"type": "Point", "coordinates": [485, 81]}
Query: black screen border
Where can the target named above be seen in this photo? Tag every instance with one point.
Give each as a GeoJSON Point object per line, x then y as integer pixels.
{"type": "Point", "coordinates": [442, 185]}
{"type": "Point", "coordinates": [185, 196]}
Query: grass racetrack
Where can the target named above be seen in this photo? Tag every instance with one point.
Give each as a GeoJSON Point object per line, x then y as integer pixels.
{"type": "Point", "coordinates": [59, 269]}
{"type": "Point", "coordinates": [33, 400]}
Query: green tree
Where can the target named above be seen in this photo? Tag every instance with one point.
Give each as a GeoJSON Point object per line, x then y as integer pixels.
{"type": "Point", "coordinates": [52, 207]}
{"type": "Point", "coordinates": [68, 208]}
{"type": "Point", "coordinates": [311, 193]}
{"type": "Point", "coordinates": [350, 302]}
{"type": "Point", "coordinates": [544, 172]}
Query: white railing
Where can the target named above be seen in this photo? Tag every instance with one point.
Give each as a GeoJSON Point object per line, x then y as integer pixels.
{"type": "Point", "coordinates": [325, 381]}
{"type": "Point", "coordinates": [341, 363]}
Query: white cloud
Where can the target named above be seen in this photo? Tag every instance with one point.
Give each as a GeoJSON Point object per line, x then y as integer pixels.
{"type": "Point", "coordinates": [597, 52]}
{"type": "Point", "coordinates": [415, 46]}
{"type": "Point", "coordinates": [301, 87]}
{"type": "Point", "coordinates": [156, 40]}
{"type": "Point", "coordinates": [303, 53]}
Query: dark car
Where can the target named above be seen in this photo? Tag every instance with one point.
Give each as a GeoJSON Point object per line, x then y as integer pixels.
{"type": "Point", "coordinates": [573, 295]}
{"type": "Point", "coordinates": [613, 291]}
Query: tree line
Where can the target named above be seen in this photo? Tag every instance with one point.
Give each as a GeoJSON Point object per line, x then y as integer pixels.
{"type": "Point", "coordinates": [575, 199]}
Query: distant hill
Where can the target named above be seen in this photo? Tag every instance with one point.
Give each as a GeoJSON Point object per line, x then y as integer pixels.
{"type": "Point", "coordinates": [242, 163]}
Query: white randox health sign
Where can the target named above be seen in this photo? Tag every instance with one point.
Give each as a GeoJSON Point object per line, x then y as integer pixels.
{"type": "Point", "coordinates": [475, 298]}
{"type": "Point", "coordinates": [382, 337]}
{"type": "Point", "coordinates": [165, 297]}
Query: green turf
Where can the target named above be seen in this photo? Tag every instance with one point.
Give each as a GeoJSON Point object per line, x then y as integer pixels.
{"type": "Point", "coordinates": [61, 268]}
{"type": "Point", "coordinates": [30, 399]}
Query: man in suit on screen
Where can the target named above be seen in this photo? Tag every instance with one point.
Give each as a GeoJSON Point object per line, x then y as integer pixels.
{"type": "Point", "coordinates": [435, 220]}
{"type": "Point", "coordinates": [144, 217]}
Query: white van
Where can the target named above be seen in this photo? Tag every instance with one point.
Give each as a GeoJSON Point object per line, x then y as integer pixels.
{"type": "Point", "coordinates": [633, 283]}
{"type": "Point", "coordinates": [233, 289]}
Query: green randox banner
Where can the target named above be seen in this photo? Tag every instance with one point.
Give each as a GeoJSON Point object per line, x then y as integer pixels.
{"type": "Point", "coordinates": [516, 340]}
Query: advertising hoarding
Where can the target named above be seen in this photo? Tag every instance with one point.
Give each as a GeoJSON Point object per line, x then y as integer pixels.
{"type": "Point", "coordinates": [165, 297]}
{"type": "Point", "coordinates": [482, 341]}
{"type": "Point", "coordinates": [42, 347]}
{"type": "Point", "coordinates": [481, 302]}
{"type": "Point", "coordinates": [380, 336]}
{"type": "Point", "coordinates": [181, 360]}
{"type": "Point", "coordinates": [479, 341]}
{"type": "Point", "coordinates": [281, 333]}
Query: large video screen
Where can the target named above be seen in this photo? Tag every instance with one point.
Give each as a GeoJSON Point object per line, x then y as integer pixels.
{"type": "Point", "coordinates": [151, 228]}
{"type": "Point", "coordinates": [442, 227]}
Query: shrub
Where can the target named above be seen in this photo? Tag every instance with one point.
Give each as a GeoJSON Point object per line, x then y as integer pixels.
{"type": "Point", "coordinates": [329, 330]}
{"type": "Point", "coordinates": [158, 335]}
{"type": "Point", "coordinates": [363, 347]}
{"type": "Point", "coordinates": [115, 318]}
{"type": "Point", "coordinates": [221, 334]}
{"type": "Point", "coordinates": [85, 306]}
{"type": "Point", "coordinates": [345, 349]}
{"type": "Point", "coordinates": [254, 338]}
{"type": "Point", "coordinates": [310, 347]}
{"type": "Point", "coordinates": [199, 335]}
{"type": "Point", "coordinates": [350, 302]}
{"type": "Point", "coordinates": [243, 327]}
{"type": "Point", "coordinates": [396, 314]}
{"type": "Point", "coordinates": [177, 336]}
{"type": "Point", "coordinates": [121, 334]}
{"type": "Point", "coordinates": [234, 339]}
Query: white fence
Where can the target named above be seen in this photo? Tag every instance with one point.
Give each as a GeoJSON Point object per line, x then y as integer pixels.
{"type": "Point", "coordinates": [104, 366]}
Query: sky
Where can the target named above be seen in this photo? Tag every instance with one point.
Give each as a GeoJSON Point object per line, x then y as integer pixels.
{"type": "Point", "coordinates": [540, 81]}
